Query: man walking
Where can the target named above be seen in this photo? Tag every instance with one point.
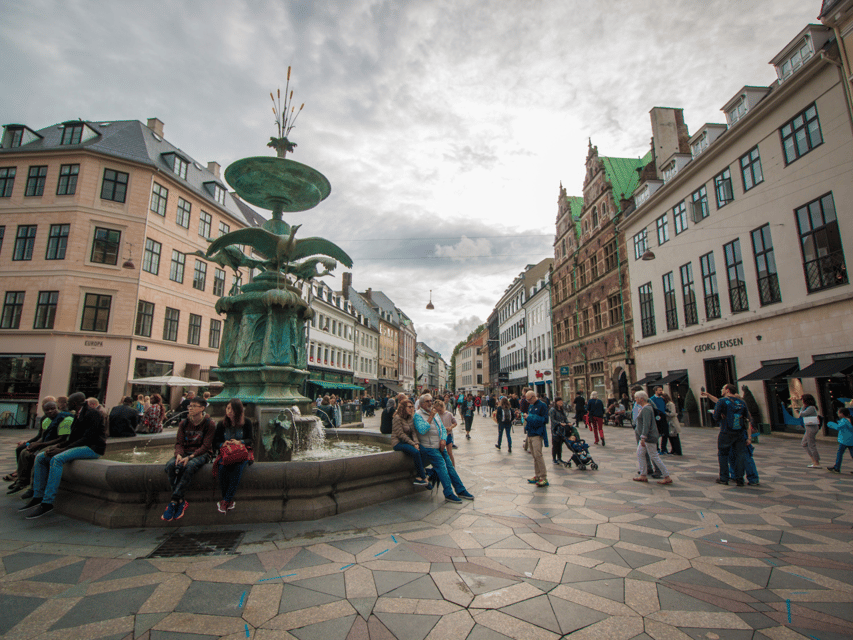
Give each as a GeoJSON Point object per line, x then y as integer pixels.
{"type": "Point", "coordinates": [536, 428]}
{"type": "Point", "coordinates": [731, 412]}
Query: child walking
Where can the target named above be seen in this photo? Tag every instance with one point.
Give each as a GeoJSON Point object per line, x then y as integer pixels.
{"type": "Point", "coordinates": [845, 437]}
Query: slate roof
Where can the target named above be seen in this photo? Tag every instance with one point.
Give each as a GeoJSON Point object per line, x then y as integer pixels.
{"type": "Point", "coordinates": [131, 140]}
{"type": "Point", "coordinates": [362, 306]}
{"type": "Point", "coordinates": [827, 7]}
{"type": "Point", "coordinates": [381, 301]}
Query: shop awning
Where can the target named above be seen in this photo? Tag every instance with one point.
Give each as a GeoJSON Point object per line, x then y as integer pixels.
{"type": "Point", "coordinates": [327, 384]}
{"type": "Point", "coordinates": [649, 379]}
{"type": "Point", "coordinates": [674, 378]}
{"type": "Point", "coordinates": [771, 371]}
{"type": "Point", "coordinates": [825, 368]}
{"type": "Point", "coordinates": [392, 387]}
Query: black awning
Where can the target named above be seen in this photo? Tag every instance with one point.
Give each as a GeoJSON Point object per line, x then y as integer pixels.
{"type": "Point", "coordinates": [771, 371]}
{"type": "Point", "coordinates": [391, 387]}
{"type": "Point", "coordinates": [825, 368]}
{"type": "Point", "coordinates": [674, 378]}
{"type": "Point", "coordinates": [649, 379]}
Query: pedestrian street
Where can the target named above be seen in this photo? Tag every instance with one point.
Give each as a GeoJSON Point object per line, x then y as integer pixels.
{"type": "Point", "coordinates": [592, 556]}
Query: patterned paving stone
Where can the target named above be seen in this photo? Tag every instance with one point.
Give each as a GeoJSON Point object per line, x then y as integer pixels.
{"type": "Point", "coordinates": [295, 598]}
{"type": "Point", "coordinates": [24, 560]}
{"type": "Point", "coordinates": [337, 628]}
{"type": "Point", "coordinates": [408, 627]}
{"type": "Point", "coordinates": [130, 570]}
{"type": "Point", "coordinates": [15, 608]}
{"type": "Point", "coordinates": [105, 606]}
{"type": "Point", "coordinates": [213, 598]}
{"type": "Point", "coordinates": [537, 611]}
{"type": "Point", "coordinates": [333, 585]}
{"type": "Point", "coordinates": [69, 574]}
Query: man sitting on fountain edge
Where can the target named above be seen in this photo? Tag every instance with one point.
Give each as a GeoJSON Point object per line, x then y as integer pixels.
{"type": "Point", "coordinates": [192, 451]}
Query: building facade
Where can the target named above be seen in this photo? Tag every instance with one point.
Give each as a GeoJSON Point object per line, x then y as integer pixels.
{"type": "Point", "coordinates": [470, 365]}
{"type": "Point", "coordinates": [100, 221]}
{"type": "Point", "coordinates": [591, 310]}
{"type": "Point", "coordinates": [388, 375]}
{"type": "Point", "coordinates": [537, 310]}
{"type": "Point", "coordinates": [366, 338]}
{"type": "Point", "coordinates": [738, 261]}
{"type": "Point", "coordinates": [408, 339]}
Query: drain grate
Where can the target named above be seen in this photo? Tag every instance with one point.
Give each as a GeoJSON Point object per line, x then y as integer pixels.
{"type": "Point", "coordinates": [215, 543]}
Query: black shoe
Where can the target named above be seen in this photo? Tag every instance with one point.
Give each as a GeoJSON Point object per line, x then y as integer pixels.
{"type": "Point", "coordinates": [32, 503]}
{"type": "Point", "coordinates": [497, 447]}
{"type": "Point", "coordinates": [14, 488]}
{"type": "Point", "coordinates": [602, 442]}
{"type": "Point", "coordinates": [43, 509]}
{"type": "Point", "coordinates": [721, 481]}
{"type": "Point", "coordinates": [455, 447]}
{"type": "Point", "coordinates": [739, 483]}
{"type": "Point", "coordinates": [509, 450]}
{"type": "Point", "coordinates": [28, 494]}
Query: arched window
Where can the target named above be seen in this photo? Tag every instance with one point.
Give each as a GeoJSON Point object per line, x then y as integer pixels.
{"type": "Point", "coordinates": [594, 217]}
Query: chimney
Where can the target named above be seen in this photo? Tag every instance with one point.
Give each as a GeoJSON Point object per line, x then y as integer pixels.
{"type": "Point", "coordinates": [669, 134]}
{"type": "Point", "coordinates": [214, 168]}
{"type": "Point", "coordinates": [156, 126]}
{"type": "Point", "coordinates": [346, 284]}
{"type": "Point", "coordinates": [369, 294]}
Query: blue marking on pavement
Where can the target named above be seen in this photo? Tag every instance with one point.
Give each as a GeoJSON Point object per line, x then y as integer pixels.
{"type": "Point", "coordinates": [701, 514]}
{"type": "Point", "coordinates": [718, 526]}
{"type": "Point", "coordinates": [242, 598]}
{"type": "Point", "coordinates": [247, 632]}
{"type": "Point", "coordinates": [697, 529]}
{"type": "Point", "coordinates": [803, 577]}
{"type": "Point", "coordinates": [289, 575]}
{"type": "Point", "coordinates": [394, 539]}
{"type": "Point", "coordinates": [773, 563]}
{"type": "Point", "coordinates": [380, 553]}
{"type": "Point", "coordinates": [347, 566]}
{"type": "Point", "coordinates": [788, 604]}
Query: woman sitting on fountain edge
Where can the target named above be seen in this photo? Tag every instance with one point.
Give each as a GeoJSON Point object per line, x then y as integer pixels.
{"type": "Point", "coordinates": [234, 428]}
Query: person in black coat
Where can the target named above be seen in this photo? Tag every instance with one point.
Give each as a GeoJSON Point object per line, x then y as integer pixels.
{"type": "Point", "coordinates": [580, 408]}
{"type": "Point", "coordinates": [387, 417]}
{"type": "Point", "coordinates": [124, 419]}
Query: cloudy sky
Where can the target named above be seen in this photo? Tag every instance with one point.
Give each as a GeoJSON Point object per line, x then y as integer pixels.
{"type": "Point", "coordinates": [444, 126]}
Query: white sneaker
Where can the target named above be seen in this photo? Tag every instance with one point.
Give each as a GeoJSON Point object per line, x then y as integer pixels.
{"type": "Point", "coordinates": [813, 466]}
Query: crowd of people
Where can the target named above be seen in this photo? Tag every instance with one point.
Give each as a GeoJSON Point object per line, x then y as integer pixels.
{"type": "Point", "coordinates": [76, 428]}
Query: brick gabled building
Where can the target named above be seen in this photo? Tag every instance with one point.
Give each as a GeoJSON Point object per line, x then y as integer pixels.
{"type": "Point", "coordinates": [591, 311]}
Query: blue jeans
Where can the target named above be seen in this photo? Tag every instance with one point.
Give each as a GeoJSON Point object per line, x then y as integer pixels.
{"type": "Point", "coordinates": [508, 429]}
{"type": "Point", "coordinates": [749, 465]}
{"type": "Point", "coordinates": [442, 465]}
{"type": "Point", "coordinates": [229, 478]}
{"type": "Point", "coordinates": [413, 452]}
{"type": "Point", "coordinates": [180, 476]}
{"type": "Point", "coordinates": [841, 448]}
{"type": "Point", "coordinates": [48, 471]}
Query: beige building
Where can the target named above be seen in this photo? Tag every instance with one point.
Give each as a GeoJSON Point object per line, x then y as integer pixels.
{"type": "Point", "coordinates": [98, 224]}
{"type": "Point", "coordinates": [472, 365]}
{"type": "Point", "coordinates": [737, 245]}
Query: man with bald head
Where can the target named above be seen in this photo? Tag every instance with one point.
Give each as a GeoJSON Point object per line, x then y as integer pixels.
{"type": "Point", "coordinates": [536, 428]}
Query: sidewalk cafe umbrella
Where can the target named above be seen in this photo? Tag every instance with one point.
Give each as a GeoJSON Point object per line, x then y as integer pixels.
{"type": "Point", "coordinates": [175, 381]}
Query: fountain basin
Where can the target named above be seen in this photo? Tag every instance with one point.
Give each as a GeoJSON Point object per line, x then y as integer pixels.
{"type": "Point", "coordinates": [119, 495]}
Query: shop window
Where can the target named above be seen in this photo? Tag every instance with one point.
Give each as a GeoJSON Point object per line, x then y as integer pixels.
{"type": "Point", "coordinates": [21, 375]}
{"type": "Point", "coordinates": [820, 243]}
{"type": "Point", "coordinates": [89, 375]}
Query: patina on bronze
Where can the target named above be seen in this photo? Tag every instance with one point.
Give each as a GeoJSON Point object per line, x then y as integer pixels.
{"type": "Point", "coordinates": [262, 355]}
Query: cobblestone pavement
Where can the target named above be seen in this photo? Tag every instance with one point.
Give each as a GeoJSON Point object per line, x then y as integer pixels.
{"type": "Point", "coordinates": [594, 555]}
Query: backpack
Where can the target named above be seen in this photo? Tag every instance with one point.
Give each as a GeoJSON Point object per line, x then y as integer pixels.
{"type": "Point", "coordinates": [738, 416]}
{"type": "Point", "coordinates": [660, 419]}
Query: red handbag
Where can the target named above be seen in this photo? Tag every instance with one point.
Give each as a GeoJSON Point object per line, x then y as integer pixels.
{"type": "Point", "coordinates": [233, 453]}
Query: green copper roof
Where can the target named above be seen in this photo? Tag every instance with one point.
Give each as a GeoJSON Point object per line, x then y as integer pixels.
{"type": "Point", "coordinates": [622, 173]}
{"type": "Point", "coordinates": [576, 206]}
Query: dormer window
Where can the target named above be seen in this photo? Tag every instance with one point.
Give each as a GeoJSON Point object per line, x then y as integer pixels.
{"type": "Point", "coordinates": [700, 145]}
{"type": "Point", "coordinates": [178, 164]}
{"type": "Point", "coordinates": [643, 195]}
{"type": "Point", "coordinates": [217, 191]}
{"type": "Point", "coordinates": [14, 136]}
{"type": "Point", "coordinates": [738, 111]}
{"type": "Point", "coordinates": [802, 52]}
{"type": "Point", "coordinates": [72, 133]}
{"type": "Point", "coordinates": [669, 171]}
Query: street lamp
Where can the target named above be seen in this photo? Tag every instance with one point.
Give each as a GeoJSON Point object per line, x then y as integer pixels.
{"type": "Point", "coordinates": [430, 305]}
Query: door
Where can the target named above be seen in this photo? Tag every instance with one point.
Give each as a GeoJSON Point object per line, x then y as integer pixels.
{"type": "Point", "coordinates": [718, 372]}
{"type": "Point", "coordinates": [89, 375]}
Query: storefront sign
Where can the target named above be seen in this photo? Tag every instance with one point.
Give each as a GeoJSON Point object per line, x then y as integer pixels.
{"type": "Point", "coordinates": [719, 345]}
{"type": "Point", "coordinates": [141, 347]}
{"type": "Point", "coordinates": [564, 371]}
{"type": "Point", "coordinates": [94, 343]}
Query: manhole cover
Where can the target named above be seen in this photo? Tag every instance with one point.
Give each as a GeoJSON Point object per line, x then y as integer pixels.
{"type": "Point", "coordinates": [216, 543]}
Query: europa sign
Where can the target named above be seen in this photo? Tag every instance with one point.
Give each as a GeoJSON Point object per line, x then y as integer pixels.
{"type": "Point", "coordinates": [718, 346]}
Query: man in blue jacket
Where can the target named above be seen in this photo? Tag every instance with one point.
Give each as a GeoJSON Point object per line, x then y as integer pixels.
{"type": "Point", "coordinates": [536, 428]}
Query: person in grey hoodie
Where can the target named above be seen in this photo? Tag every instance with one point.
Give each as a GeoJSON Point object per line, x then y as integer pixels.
{"type": "Point", "coordinates": [647, 430]}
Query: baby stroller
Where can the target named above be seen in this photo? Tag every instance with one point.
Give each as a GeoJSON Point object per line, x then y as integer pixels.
{"type": "Point", "coordinates": [580, 454]}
